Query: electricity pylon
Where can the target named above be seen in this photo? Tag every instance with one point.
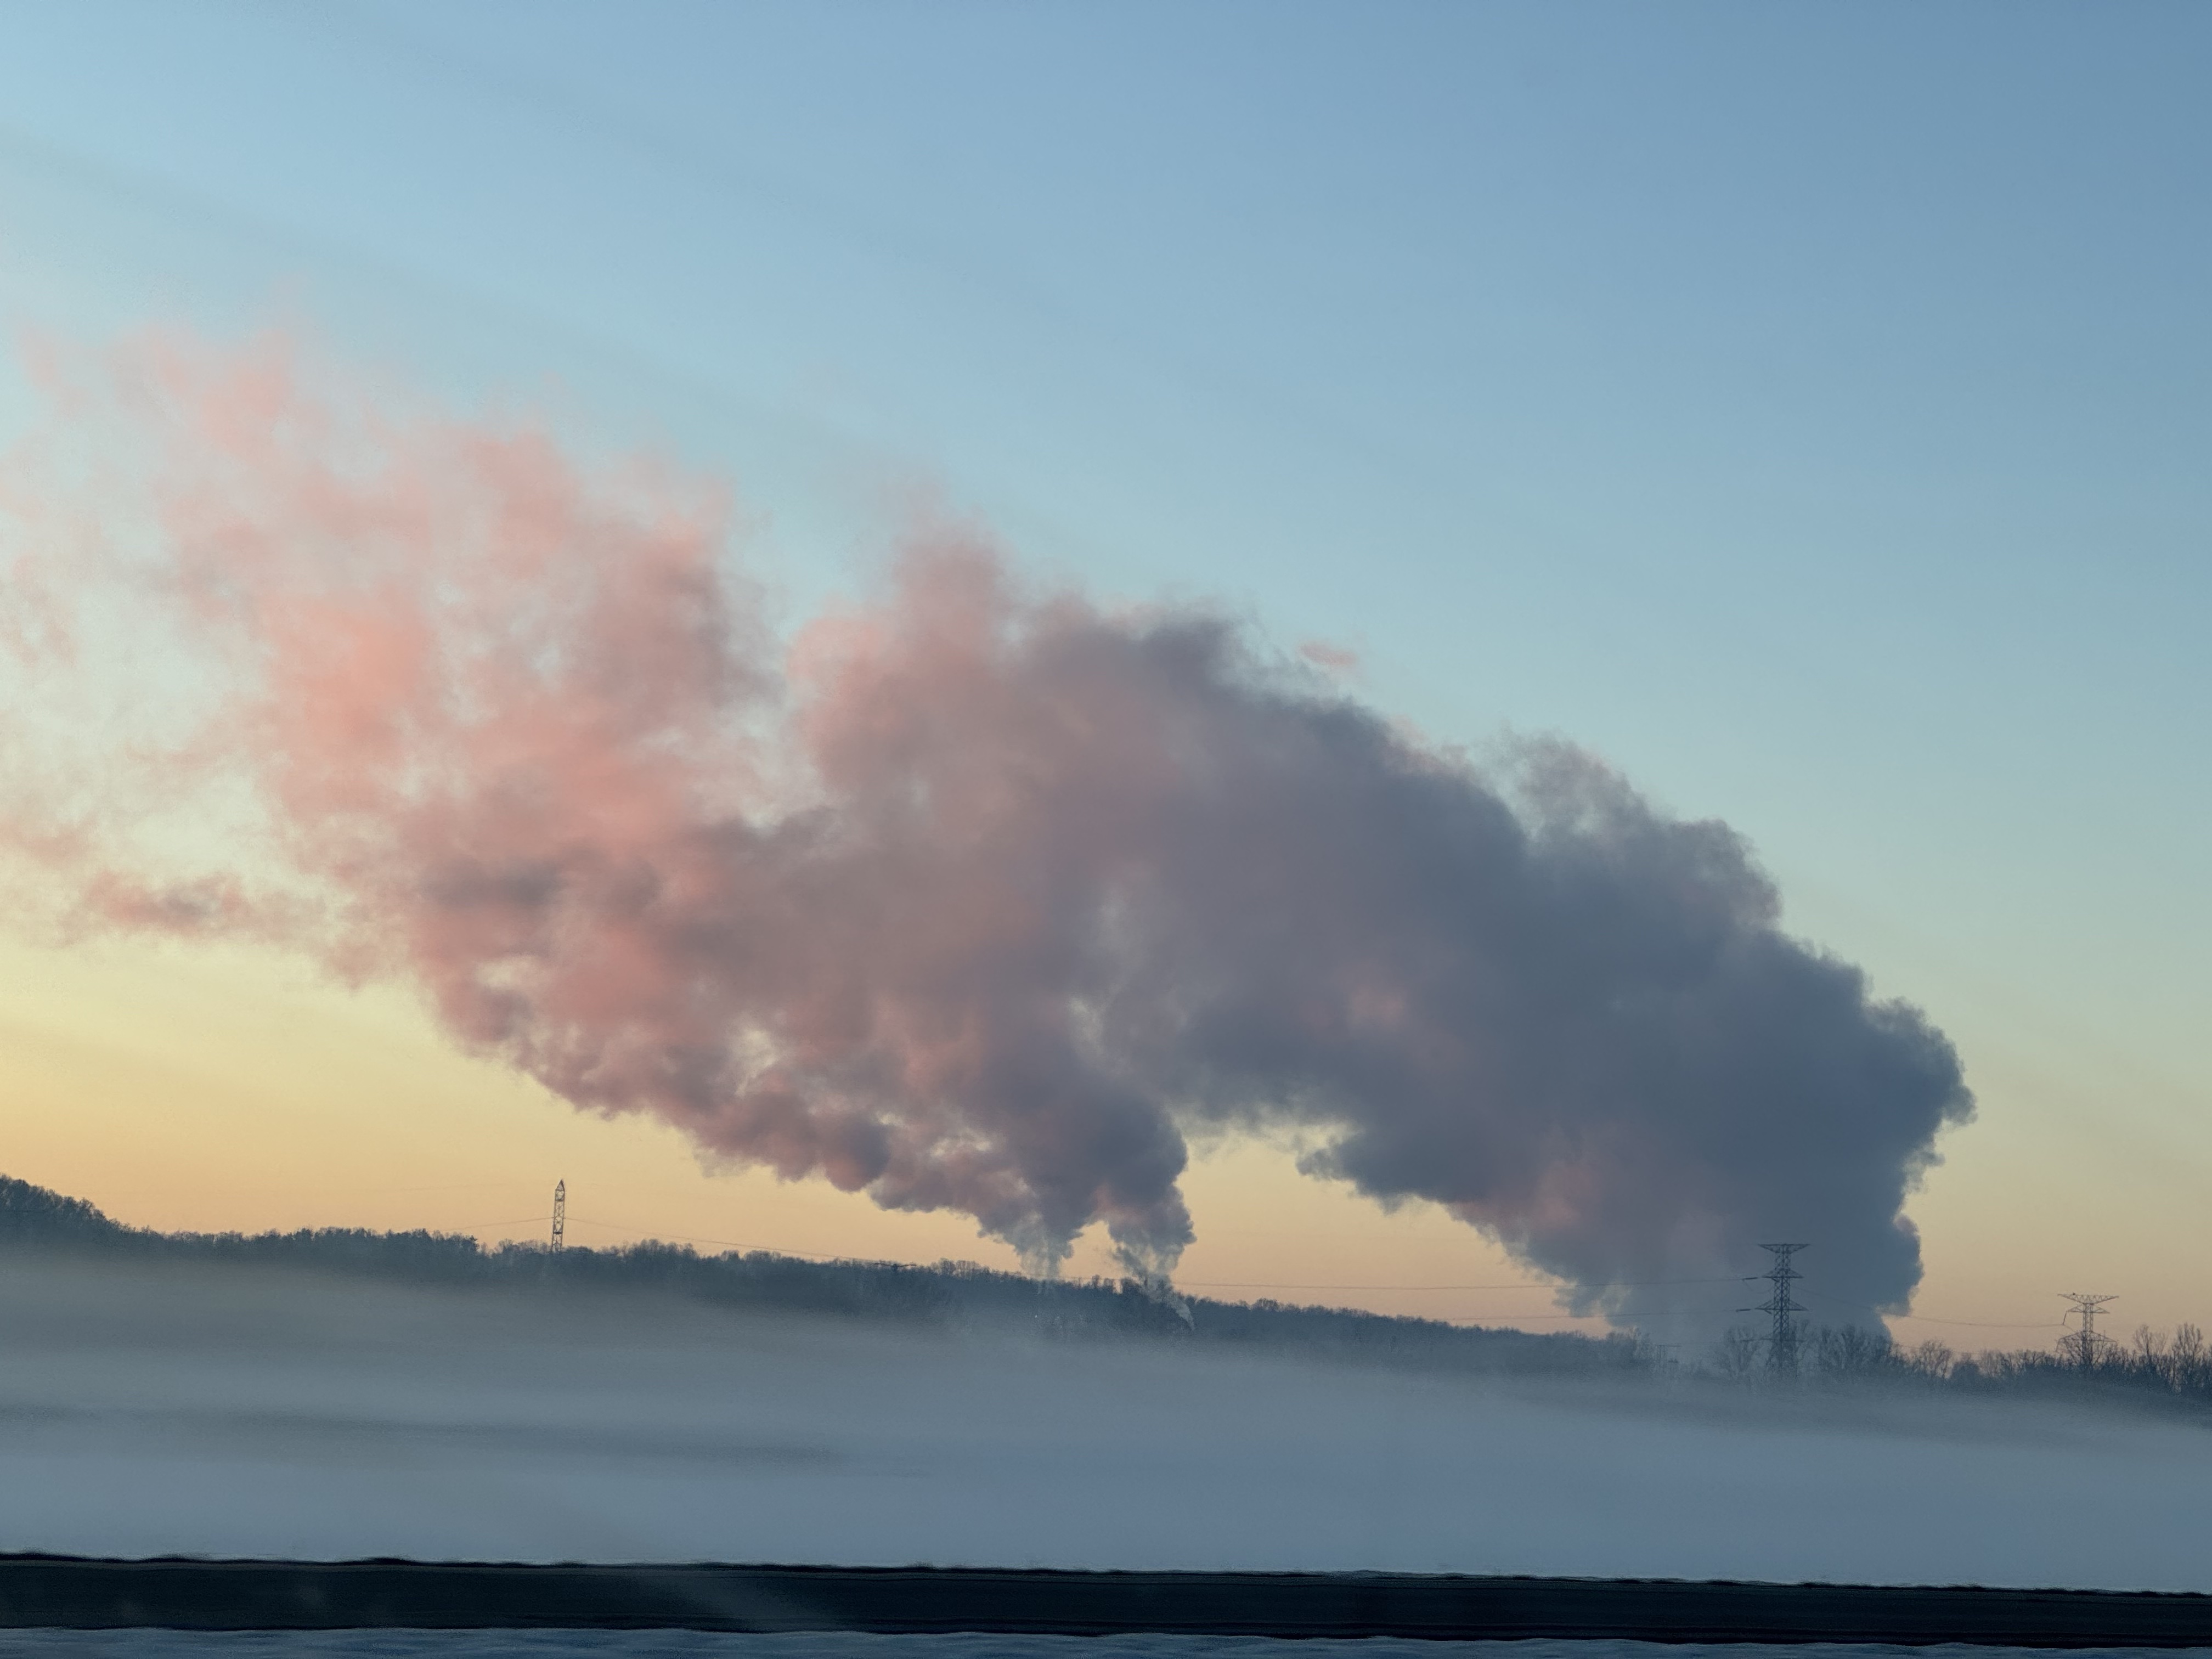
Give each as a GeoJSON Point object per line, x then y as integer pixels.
{"type": "Point", "coordinates": [2084, 1345]}
{"type": "Point", "coordinates": [1781, 1345]}
{"type": "Point", "coordinates": [560, 1213]}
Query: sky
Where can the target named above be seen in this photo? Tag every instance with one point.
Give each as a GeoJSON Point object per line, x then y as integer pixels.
{"type": "Point", "coordinates": [1801, 408]}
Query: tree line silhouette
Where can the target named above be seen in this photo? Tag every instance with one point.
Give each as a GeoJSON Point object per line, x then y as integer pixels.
{"type": "Point", "coordinates": [948, 1292]}
{"type": "Point", "coordinates": [2176, 1369]}
{"type": "Point", "coordinates": [2151, 1365]}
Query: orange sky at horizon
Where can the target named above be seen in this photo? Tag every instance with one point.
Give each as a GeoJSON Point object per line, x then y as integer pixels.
{"type": "Point", "coordinates": [270, 1077]}
{"type": "Point", "coordinates": [229, 1088]}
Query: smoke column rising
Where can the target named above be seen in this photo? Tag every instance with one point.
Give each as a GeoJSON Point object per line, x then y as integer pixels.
{"type": "Point", "coordinates": [974, 895]}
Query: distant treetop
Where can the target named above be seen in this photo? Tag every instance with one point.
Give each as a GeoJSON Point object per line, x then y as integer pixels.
{"type": "Point", "coordinates": [33, 1215]}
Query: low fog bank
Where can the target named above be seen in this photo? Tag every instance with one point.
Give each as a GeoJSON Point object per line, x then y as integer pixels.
{"type": "Point", "coordinates": [948, 1293]}
{"type": "Point", "coordinates": [149, 1408]}
{"type": "Point", "coordinates": [2152, 1372]}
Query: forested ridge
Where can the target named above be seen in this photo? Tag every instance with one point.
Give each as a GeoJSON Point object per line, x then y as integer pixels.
{"type": "Point", "coordinates": [33, 1217]}
{"type": "Point", "coordinates": [2175, 1371]}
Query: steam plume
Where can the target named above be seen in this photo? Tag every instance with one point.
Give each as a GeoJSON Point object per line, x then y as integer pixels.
{"type": "Point", "coordinates": [977, 896]}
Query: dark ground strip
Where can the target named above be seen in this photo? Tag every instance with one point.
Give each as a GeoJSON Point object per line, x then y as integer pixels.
{"type": "Point", "coordinates": [70, 1593]}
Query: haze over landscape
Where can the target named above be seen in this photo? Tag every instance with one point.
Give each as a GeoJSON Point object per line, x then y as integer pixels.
{"type": "Point", "coordinates": [222, 1402]}
{"type": "Point", "coordinates": [1466, 668]}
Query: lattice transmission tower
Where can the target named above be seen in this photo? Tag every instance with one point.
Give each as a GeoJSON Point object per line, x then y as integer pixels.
{"type": "Point", "coordinates": [560, 1213]}
{"type": "Point", "coordinates": [1782, 1343]}
{"type": "Point", "coordinates": [2084, 1347]}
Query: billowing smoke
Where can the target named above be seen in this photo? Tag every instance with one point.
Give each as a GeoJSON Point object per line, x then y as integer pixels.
{"type": "Point", "coordinates": [977, 896]}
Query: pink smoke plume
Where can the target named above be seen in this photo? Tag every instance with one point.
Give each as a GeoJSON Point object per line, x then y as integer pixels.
{"type": "Point", "coordinates": [975, 897]}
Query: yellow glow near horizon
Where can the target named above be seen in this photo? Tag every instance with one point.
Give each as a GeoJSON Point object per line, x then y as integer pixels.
{"type": "Point", "coordinates": [215, 1089]}
{"type": "Point", "coordinates": [212, 1089]}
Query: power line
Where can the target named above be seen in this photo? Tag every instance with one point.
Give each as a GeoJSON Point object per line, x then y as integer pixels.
{"type": "Point", "coordinates": [1782, 1346]}
{"type": "Point", "coordinates": [1470, 1319]}
{"type": "Point", "coordinates": [511, 1221]}
{"type": "Point", "coordinates": [2086, 1344]}
{"type": "Point", "coordinates": [1523, 1285]}
{"type": "Point", "coordinates": [728, 1243]}
{"type": "Point", "coordinates": [1517, 1320]}
{"type": "Point", "coordinates": [1191, 1284]}
{"type": "Point", "coordinates": [1982, 1324]}
{"type": "Point", "coordinates": [1188, 1284]}
{"type": "Point", "coordinates": [828, 1255]}
{"type": "Point", "coordinates": [2100, 1340]}
{"type": "Point", "coordinates": [434, 1186]}
{"type": "Point", "coordinates": [1938, 1319]}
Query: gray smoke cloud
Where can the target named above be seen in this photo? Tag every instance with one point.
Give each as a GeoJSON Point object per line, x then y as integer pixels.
{"type": "Point", "coordinates": [980, 896]}
{"type": "Point", "coordinates": [1524, 995]}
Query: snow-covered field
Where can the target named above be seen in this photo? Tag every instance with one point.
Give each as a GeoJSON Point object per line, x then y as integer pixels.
{"type": "Point", "coordinates": [173, 1410]}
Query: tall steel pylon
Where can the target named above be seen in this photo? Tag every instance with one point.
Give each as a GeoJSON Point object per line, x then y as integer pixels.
{"type": "Point", "coordinates": [2083, 1346]}
{"type": "Point", "coordinates": [1781, 1345]}
{"type": "Point", "coordinates": [560, 1213]}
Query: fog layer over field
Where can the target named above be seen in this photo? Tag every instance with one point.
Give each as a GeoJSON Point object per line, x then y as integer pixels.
{"type": "Point", "coordinates": [155, 1409]}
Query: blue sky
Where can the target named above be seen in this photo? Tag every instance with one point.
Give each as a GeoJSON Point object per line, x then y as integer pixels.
{"type": "Point", "coordinates": [1806, 408]}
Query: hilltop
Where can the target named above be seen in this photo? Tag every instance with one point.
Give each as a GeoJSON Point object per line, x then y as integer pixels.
{"type": "Point", "coordinates": [2152, 1371]}
{"type": "Point", "coordinates": [33, 1217]}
